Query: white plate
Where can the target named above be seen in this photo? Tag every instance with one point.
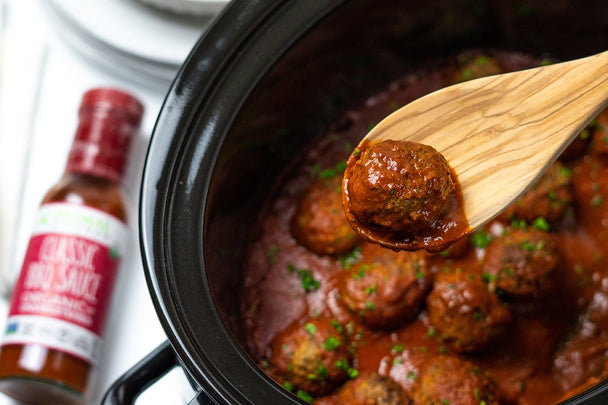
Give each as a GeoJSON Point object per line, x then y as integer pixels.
{"type": "Point", "coordinates": [189, 6]}
{"type": "Point", "coordinates": [142, 41]}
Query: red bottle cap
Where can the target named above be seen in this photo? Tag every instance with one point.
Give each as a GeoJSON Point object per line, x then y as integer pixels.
{"type": "Point", "coordinates": [108, 120]}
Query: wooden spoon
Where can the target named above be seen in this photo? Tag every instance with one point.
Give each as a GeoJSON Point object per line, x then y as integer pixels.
{"type": "Point", "coordinates": [500, 133]}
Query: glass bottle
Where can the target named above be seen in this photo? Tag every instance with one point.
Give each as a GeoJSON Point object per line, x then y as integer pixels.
{"type": "Point", "coordinates": [53, 335]}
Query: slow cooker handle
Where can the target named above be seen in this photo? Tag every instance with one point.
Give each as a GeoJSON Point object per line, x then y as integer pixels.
{"type": "Point", "coordinates": [142, 375]}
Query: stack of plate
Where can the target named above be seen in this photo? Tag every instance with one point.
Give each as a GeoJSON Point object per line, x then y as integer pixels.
{"type": "Point", "coordinates": [147, 43]}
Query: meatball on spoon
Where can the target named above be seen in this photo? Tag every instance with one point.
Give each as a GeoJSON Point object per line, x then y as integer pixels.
{"type": "Point", "coordinates": [498, 134]}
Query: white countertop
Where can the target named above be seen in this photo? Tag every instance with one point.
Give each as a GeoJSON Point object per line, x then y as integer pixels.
{"type": "Point", "coordinates": [133, 329]}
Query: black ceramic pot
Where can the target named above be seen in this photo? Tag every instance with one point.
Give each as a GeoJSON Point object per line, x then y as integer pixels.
{"type": "Point", "coordinates": [265, 78]}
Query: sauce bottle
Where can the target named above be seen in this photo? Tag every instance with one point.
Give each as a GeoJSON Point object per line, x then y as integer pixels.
{"type": "Point", "coordinates": [53, 335]}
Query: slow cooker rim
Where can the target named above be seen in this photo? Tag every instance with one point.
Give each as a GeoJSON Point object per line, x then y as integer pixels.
{"type": "Point", "coordinates": [188, 102]}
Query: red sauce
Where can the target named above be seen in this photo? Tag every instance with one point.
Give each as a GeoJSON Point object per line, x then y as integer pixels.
{"type": "Point", "coordinates": [532, 362]}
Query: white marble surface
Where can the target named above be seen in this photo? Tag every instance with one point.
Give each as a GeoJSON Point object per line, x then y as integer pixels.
{"type": "Point", "coordinates": [133, 329]}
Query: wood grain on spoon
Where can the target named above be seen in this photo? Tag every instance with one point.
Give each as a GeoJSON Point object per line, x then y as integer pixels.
{"type": "Point", "coordinates": [500, 133]}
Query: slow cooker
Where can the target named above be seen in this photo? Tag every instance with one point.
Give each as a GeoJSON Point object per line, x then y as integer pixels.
{"type": "Point", "coordinates": [259, 84]}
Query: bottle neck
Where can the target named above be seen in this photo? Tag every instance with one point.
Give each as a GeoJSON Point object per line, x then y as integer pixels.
{"type": "Point", "coordinates": [101, 144]}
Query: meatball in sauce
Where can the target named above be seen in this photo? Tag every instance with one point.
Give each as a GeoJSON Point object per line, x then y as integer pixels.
{"type": "Point", "coordinates": [403, 195]}
{"type": "Point", "coordinates": [313, 357]}
{"type": "Point", "coordinates": [523, 262]}
{"type": "Point", "coordinates": [467, 314]}
{"type": "Point", "coordinates": [385, 288]}
{"type": "Point", "coordinates": [320, 223]}
{"type": "Point", "coordinates": [450, 380]}
{"type": "Point", "coordinates": [398, 185]}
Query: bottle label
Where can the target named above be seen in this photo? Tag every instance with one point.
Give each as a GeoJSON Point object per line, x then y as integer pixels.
{"type": "Point", "coordinates": [64, 290]}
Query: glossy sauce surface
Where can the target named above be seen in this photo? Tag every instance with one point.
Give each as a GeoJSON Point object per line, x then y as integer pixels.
{"type": "Point", "coordinates": [536, 359]}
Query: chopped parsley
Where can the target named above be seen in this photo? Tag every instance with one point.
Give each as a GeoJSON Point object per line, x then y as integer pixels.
{"type": "Point", "coordinates": [519, 224]}
{"type": "Point", "coordinates": [397, 348]}
{"type": "Point", "coordinates": [338, 169]}
{"type": "Point", "coordinates": [597, 200]}
{"type": "Point", "coordinates": [321, 372]}
{"type": "Point", "coordinates": [348, 259]}
{"type": "Point", "coordinates": [565, 172]}
{"type": "Point", "coordinates": [331, 343]}
{"type": "Point", "coordinates": [310, 328]}
{"type": "Point", "coordinates": [309, 283]}
{"type": "Point", "coordinates": [371, 289]}
{"type": "Point", "coordinates": [488, 277]}
{"type": "Point", "coordinates": [337, 326]}
{"type": "Point", "coordinates": [360, 273]}
{"type": "Point", "coordinates": [271, 254]}
{"type": "Point", "coordinates": [527, 245]}
{"type": "Point", "coordinates": [303, 395]}
{"type": "Point", "coordinates": [341, 364]}
{"type": "Point", "coordinates": [541, 224]}
{"type": "Point", "coordinates": [507, 271]}
{"type": "Point", "coordinates": [482, 60]}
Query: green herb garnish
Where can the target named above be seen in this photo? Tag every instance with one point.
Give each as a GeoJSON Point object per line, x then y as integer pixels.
{"type": "Point", "coordinates": [331, 343]}
{"type": "Point", "coordinates": [310, 328]}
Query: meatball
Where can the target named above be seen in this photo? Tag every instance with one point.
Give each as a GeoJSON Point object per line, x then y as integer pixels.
{"type": "Point", "coordinates": [314, 357]}
{"type": "Point", "coordinates": [385, 287]}
{"type": "Point", "coordinates": [523, 262]}
{"type": "Point", "coordinates": [451, 380]}
{"type": "Point", "coordinates": [319, 223]}
{"type": "Point", "coordinates": [548, 198]}
{"type": "Point", "coordinates": [474, 67]}
{"type": "Point", "coordinates": [467, 314]}
{"type": "Point", "coordinates": [372, 389]}
{"type": "Point", "coordinates": [398, 186]}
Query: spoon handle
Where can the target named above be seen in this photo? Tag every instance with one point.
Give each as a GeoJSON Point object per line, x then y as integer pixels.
{"type": "Point", "coordinates": [548, 108]}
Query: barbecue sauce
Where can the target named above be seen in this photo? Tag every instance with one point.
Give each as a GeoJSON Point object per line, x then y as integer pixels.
{"type": "Point", "coordinates": [53, 336]}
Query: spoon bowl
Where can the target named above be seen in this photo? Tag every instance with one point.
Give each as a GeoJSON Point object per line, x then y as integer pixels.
{"type": "Point", "coordinates": [500, 133]}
